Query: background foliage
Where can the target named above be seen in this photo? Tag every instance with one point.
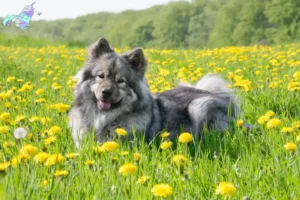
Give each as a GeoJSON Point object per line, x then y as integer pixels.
{"type": "Point", "coordinates": [199, 24]}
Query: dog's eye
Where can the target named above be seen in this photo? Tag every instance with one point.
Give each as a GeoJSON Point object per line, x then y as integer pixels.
{"type": "Point", "coordinates": [101, 75]}
{"type": "Point", "coordinates": [121, 80]}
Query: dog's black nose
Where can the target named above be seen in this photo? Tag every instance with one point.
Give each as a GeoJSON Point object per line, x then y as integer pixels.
{"type": "Point", "coordinates": [106, 92]}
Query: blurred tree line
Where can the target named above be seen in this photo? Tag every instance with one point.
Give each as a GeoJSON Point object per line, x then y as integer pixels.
{"type": "Point", "coordinates": [198, 24]}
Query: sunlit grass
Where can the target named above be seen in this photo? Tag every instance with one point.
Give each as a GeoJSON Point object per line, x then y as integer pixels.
{"type": "Point", "coordinates": [36, 91]}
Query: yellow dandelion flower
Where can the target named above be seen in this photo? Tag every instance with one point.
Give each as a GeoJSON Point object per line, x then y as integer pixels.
{"type": "Point", "coordinates": [226, 189]}
{"type": "Point", "coordinates": [34, 119]}
{"type": "Point", "coordinates": [20, 118]}
{"type": "Point", "coordinates": [294, 86]}
{"type": "Point", "coordinates": [61, 107]}
{"type": "Point", "coordinates": [41, 157]}
{"type": "Point", "coordinates": [270, 113]}
{"type": "Point", "coordinates": [240, 123]}
{"type": "Point", "coordinates": [50, 72]}
{"type": "Point", "coordinates": [45, 120]}
{"type": "Point", "coordinates": [287, 130]}
{"type": "Point", "coordinates": [15, 161]}
{"type": "Point", "coordinates": [10, 78]}
{"type": "Point", "coordinates": [185, 137]}
{"type": "Point", "coordinates": [55, 158]}
{"type": "Point", "coordinates": [162, 190]}
{"type": "Point", "coordinates": [143, 179]}
{"type": "Point", "coordinates": [45, 183]}
{"type": "Point", "coordinates": [128, 169]}
{"type": "Point", "coordinates": [296, 124]}
{"type": "Point", "coordinates": [273, 123]}
{"type": "Point", "coordinates": [137, 156]}
{"type": "Point", "coordinates": [4, 116]}
{"type": "Point", "coordinates": [72, 155]}
{"type": "Point", "coordinates": [29, 150]}
{"type": "Point", "coordinates": [4, 129]}
{"type": "Point", "coordinates": [124, 153]}
{"type": "Point", "coordinates": [40, 91]}
{"type": "Point", "coordinates": [61, 173]}
{"type": "Point", "coordinates": [290, 146]}
{"type": "Point", "coordinates": [7, 144]}
{"type": "Point", "coordinates": [4, 166]}
{"type": "Point", "coordinates": [164, 72]}
{"type": "Point", "coordinates": [23, 156]}
{"type": "Point", "coordinates": [4, 95]}
{"type": "Point", "coordinates": [165, 135]}
{"type": "Point", "coordinates": [54, 130]}
{"type": "Point", "coordinates": [263, 119]}
{"type": "Point", "coordinates": [110, 146]}
{"type": "Point", "coordinates": [50, 140]}
{"type": "Point", "coordinates": [27, 86]}
{"type": "Point", "coordinates": [298, 139]}
{"type": "Point", "coordinates": [114, 158]}
{"type": "Point", "coordinates": [7, 104]}
{"type": "Point", "coordinates": [38, 59]}
{"type": "Point", "coordinates": [296, 75]}
{"type": "Point", "coordinates": [89, 162]}
{"type": "Point", "coordinates": [99, 149]}
{"type": "Point", "coordinates": [121, 131]}
{"type": "Point", "coordinates": [178, 159]}
{"type": "Point", "coordinates": [29, 136]}
{"type": "Point", "coordinates": [41, 100]}
{"type": "Point", "coordinates": [57, 87]}
{"type": "Point", "coordinates": [165, 145]}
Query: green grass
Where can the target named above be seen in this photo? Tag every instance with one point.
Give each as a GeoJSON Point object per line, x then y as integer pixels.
{"type": "Point", "coordinates": [255, 162]}
{"type": "Point", "coordinates": [25, 41]}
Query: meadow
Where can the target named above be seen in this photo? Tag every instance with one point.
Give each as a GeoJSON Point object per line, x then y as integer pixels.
{"type": "Point", "coordinates": [40, 161]}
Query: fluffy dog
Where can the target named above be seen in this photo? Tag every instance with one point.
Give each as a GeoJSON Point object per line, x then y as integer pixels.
{"type": "Point", "coordinates": [112, 92]}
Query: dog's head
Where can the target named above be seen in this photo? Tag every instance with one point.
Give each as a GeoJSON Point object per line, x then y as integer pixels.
{"type": "Point", "coordinates": [112, 78]}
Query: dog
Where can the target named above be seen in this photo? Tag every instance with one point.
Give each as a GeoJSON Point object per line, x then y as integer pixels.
{"type": "Point", "coordinates": [112, 92]}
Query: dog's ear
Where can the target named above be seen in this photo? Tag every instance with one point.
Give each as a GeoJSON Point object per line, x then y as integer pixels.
{"type": "Point", "coordinates": [137, 60]}
{"type": "Point", "coordinates": [99, 48]}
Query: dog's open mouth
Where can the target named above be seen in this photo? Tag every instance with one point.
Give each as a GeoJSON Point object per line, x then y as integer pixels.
{"type": "Point", "coordinates": [107, 105]}
{"type": "Point", "coordinates": [103, 104]}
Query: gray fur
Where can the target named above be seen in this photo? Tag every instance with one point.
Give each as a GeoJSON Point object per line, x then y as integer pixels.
{"type": "Point", "coordinates": [130, 105]}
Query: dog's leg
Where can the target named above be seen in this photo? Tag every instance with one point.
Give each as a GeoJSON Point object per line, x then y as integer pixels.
{"type": "Point", "coordinates": [222, 121]}
{"type": "Point", "coordinates": [107, 134]}
{"type": "Point", "coordinates": [78, 126]}
{"type": "Point", "coordinates": [198, 111]}
{"type": "Point", "coordinates": [77, 137]}
{"type": "Point", "coordinates": [210, 111]}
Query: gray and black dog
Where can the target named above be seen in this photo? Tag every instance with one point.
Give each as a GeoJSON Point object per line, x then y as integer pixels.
{"type": "Point", "coordinates": [112, 92]}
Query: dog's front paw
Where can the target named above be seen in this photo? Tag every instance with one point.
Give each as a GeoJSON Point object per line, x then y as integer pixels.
{"type": "Point", "coordinates": [105, 135]}
{"type": "Point", "coordinates": [112, 133]}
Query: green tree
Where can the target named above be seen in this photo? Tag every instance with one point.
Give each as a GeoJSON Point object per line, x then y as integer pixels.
{"type": "Point", "coordinates": [225, 24]}
{"type": "Point", "coordinates": [202, 22]}
{"type": "Point", "coordinates": [284, 15]}
{"type": "Point", "coordinates": [171, 25]}
{"type": "Point", "coordinates": [251, 23]}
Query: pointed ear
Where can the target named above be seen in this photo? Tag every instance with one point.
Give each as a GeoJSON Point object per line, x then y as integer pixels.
{"type": "Point", "coordinates": [99, 48]}
{"type": "Point", "coordinates": [137, 60]}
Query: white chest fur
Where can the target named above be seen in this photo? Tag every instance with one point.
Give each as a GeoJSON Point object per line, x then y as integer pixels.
{"type": "Point", "coordinates": [104, 119]}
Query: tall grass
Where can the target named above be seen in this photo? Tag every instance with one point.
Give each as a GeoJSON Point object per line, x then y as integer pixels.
{"type": "Point", "coordinates": [256, 162]}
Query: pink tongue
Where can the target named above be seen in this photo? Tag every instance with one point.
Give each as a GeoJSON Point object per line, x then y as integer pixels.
{"type": "Point", "coordinates": [105, 105]}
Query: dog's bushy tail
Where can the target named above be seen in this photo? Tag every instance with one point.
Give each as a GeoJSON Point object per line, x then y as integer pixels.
{"type": "Point", "coordinates": [220, 88]}
{"type": "Point", "coordinates": [215, 85]}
